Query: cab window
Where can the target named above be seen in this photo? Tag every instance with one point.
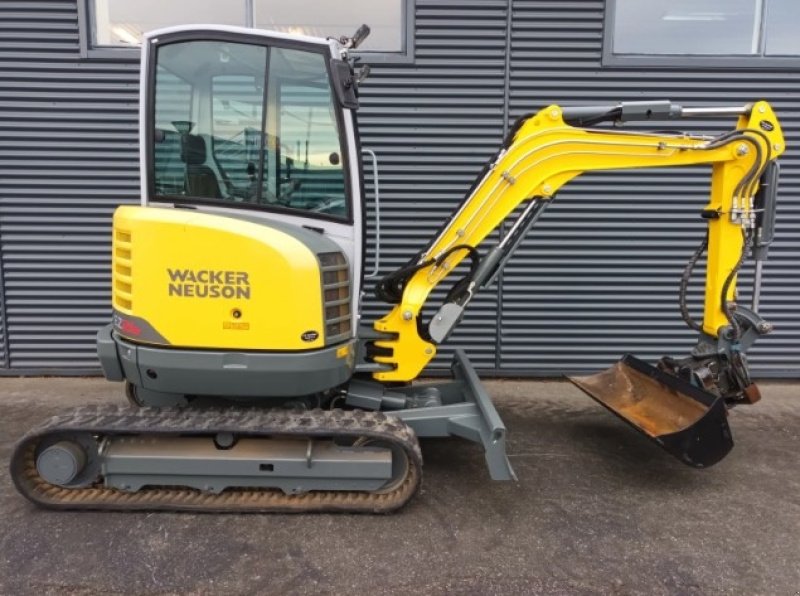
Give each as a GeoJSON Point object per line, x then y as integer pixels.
{"type": "Point", "coordinates": [169, 167]}
{"type": "Point", "coordinates": [302, 136]}
{"type": "Point", "coordinates": [236, 120]}
{"type": "Point", "coordinates": [230, 130]}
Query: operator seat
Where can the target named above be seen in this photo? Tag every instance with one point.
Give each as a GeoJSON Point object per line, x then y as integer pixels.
{"type": "Point", "coordinates": [201, 181]}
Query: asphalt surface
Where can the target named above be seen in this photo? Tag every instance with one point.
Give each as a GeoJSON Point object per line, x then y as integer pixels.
{"type": "Point", "coordinates": [597, 510]}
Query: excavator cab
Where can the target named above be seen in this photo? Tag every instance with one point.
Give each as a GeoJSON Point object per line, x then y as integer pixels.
{"type": "Point", "coordinates": [257, 125]}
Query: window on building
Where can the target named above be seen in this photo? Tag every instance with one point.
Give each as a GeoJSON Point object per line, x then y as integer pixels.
{"type": "Point", "coordinates": [115, 24]}
{"type": "Point", "coordinates": [122, 22]}
{"type": "Point", "coordinates": [780, 24]}
{"type": "Point", "coordinates": [754, 29]}
{"type": "Point", "coordinates": [323, 18]}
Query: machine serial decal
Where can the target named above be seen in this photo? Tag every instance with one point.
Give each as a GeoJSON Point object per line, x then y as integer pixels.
{"type": "Point", "coordinates": [208, 283]}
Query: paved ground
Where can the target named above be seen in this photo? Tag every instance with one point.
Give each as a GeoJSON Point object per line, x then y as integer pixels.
{"type": "Point", "coordinates": [597, 510]}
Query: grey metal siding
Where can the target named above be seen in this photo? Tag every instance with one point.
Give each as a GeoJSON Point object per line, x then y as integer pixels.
{"type": "Point", "coordinates": [433, 126]}
{"type": "Point", "coordinates": [68, 155]}
{"type": "Point", "coordinates": [597, 277]}
{"type": "Point", "coordinates": [3, 347]}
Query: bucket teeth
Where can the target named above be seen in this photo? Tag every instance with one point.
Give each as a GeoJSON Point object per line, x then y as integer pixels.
{"type": "Point", "coordinates": [686, 421]}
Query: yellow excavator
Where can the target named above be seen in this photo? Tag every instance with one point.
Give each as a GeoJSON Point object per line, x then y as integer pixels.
{"type": "Point", "coordinates": [253, 382]}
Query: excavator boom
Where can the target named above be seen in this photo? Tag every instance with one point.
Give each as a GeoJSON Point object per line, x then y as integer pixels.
{"type": "Point", "coordinates": [544, 152]}
{"type": "Point", "coordinates": [682, 405]}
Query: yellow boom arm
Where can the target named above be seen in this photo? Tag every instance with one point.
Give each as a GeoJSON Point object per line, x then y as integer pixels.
{"type": "Point", "coordinates": [543, 155]}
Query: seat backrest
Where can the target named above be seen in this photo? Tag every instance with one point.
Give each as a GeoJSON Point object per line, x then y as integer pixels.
{"type": "Point", "coordinates": [201, 181]}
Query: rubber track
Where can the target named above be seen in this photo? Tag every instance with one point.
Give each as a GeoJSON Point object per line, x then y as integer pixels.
{"type": "Point", "coordinates": [117, 420]}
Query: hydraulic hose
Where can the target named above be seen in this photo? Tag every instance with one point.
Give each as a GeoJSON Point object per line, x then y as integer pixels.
{"type": "Point", "coordinates": [685, 279]}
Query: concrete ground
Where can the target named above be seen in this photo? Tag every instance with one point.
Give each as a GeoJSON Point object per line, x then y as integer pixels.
{"type": "Point", "coordinates": [597, 510]}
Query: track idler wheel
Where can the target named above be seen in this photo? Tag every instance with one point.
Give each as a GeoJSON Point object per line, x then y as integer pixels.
{"type": "Point", "coordinates": [70, 461]}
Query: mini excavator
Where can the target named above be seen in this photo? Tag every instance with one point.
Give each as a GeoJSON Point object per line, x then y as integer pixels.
{"type": "Point", "coordinates": [254, 384]}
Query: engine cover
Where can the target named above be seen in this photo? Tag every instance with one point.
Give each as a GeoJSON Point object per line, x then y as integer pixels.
{"type": "Point", "coordinates": [190, 279]}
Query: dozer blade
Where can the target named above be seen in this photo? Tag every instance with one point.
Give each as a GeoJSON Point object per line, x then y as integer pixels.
{"type": "Point", "coordinates": [688, 422]}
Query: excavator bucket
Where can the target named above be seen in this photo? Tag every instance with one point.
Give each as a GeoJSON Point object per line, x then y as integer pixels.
{"type": "Point", "coordinates": [688, 422]}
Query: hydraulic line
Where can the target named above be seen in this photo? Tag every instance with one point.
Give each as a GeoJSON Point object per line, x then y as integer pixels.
{"type": "Point", "coordinates": [736, 328]}
{"type": "Point", "coordinates": [685, 279]}
{"type": "Point", "coordinates": [390, 288]}
{"type": "Point", "coordinates": [743, 190]}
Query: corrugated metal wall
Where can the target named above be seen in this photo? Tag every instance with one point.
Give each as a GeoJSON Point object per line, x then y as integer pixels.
{"type": "Point", "coordinates": [3, 350]}
{"type": "Point", "coordinates": [68, 155]}
{"type": "Point", "coordinates": [434, 125]}
{"type": "Point", "coordinates": [597, 278]}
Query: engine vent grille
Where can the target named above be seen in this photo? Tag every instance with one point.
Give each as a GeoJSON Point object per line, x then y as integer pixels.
{"type": "Point", "coordinates": [122, 274]}
{"type": "Point", "coordinates": [336, 293]}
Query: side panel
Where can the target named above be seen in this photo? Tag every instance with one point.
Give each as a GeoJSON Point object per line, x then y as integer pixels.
{"type": "Point", "coordinates": [197, 280]}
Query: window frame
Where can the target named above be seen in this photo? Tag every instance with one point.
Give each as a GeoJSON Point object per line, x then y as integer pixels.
{"type": "Point", "coordinates": [255, 39]}
{"type": "Point", "coordinates": [87, 49]}
{"type": "Point", "coordinates": [732, 61]}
